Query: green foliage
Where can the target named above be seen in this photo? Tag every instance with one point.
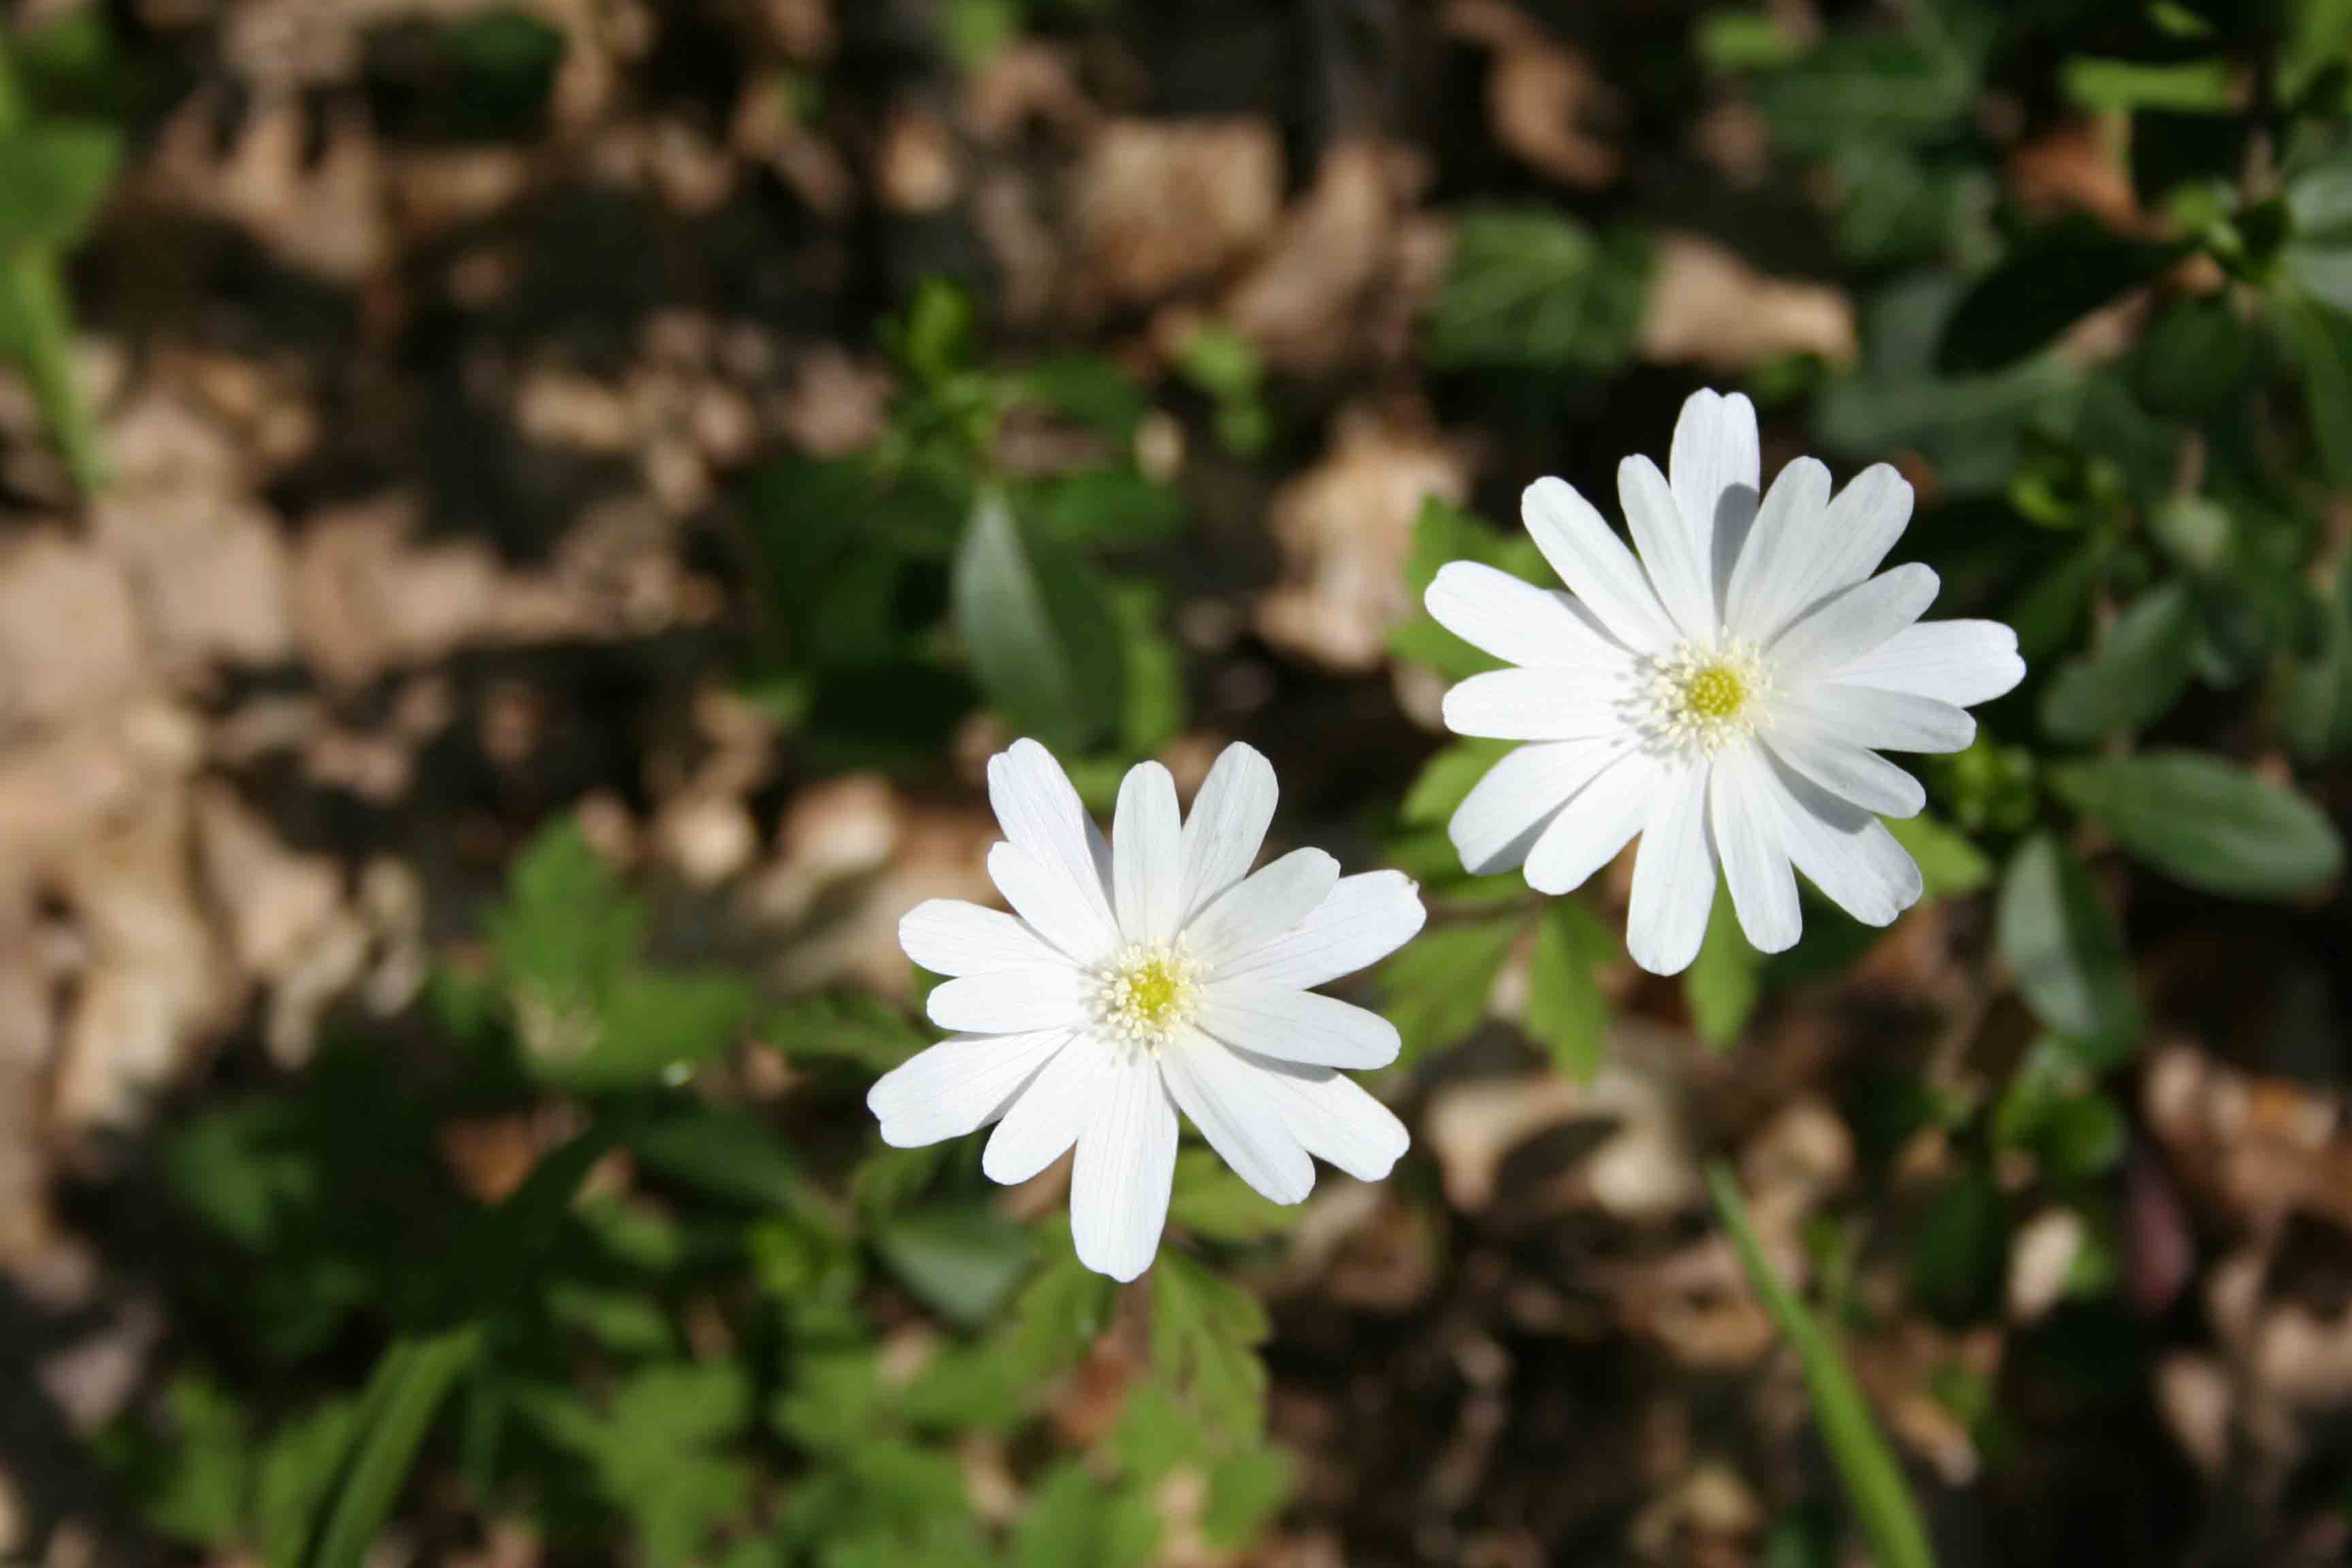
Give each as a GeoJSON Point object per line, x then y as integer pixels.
{"type": "Point", "coordinates": [1566, 1011]}
{"type": "Point", "coordinates": [1215, 1204]}
{"type": "Point", "coordinates": [2132, 677]}
{"type": "Point", "coordinates": [1435, 990]}
{"type": "Point", "coordinates": [2061, 946]}
{"type": "Point", "coordinates": [1042, 639]}
{"type": "Point", "coordinates": [2204, 822]}
{"type": "Point", "coordinates": [1724, 982]}
{"type": "Point", "coordinates": [1530, 288]}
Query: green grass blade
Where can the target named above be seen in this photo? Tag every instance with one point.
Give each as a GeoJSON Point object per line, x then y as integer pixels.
{"type": "Point", "coordinates": [402, 1396]}
{"type": "Point", "coordinates": [1874, 1479]}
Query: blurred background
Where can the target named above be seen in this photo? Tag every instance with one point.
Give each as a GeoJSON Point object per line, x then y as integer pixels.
{"type": "Point", "coordinates": [522, 520]}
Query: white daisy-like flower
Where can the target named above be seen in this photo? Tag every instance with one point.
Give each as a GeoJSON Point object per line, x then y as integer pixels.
{"type": "Point", "coordinates": [1725, 695]}
{"type": "Point", "coordinates": [1151, 973]}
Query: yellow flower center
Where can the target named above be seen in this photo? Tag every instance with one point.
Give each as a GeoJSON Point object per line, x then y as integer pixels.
{"type": "Point", "coordinates": [1700, 695]}
{"type": "Point", "coordinates": [1714, 691]}
{"type": "Point", "coordinates": [1148, 992]}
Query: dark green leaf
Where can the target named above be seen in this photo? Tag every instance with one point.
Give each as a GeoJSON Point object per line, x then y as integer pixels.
{"type": "Point", "coordinates": [2206, 823]}
{"type": "Point", "coordinates": [2136, 674]}
{"type": "Point", "coordinates": [1438, 986]}
{"type": "Point", "coordinates": [402, 1396]}
{"type": "Point", "coordinates": [1039, 629]}
{"type": "Point", "coordinates": [2049, 282]}
{"type": "Point", "coordinates": [56, 175]}
{"type": "Point", "coordinates": [1532, 287]}
{"type": "Point", "coordinates": [1949, 866]}
{"type": "Point", "coordinates": [1566, 1011]}
{"type": "Point", "coordinates": [2320, 337]}
{"type": "Point", "coordinates": [2062, 945]}
{"type": "Point", "coordinates": [2318, 710]}
{"type": "Point", "coordinates": [960, 1261]}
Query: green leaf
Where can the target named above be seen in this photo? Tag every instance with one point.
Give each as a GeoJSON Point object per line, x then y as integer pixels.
{"type": "Point", "coordinates": [1859, 86]}
{"type": "Point", "coordinates": [961, 1262]}
{"type": "Point", "coordinates": [1247, 1488]}
{"type": "Point", "coordinates": [297, 1467]}
{"type": "Point", "coordinates": [1073, 1520]}
{"type": "Point", "coordinates": [1530, 287]}
{"type": "Point", "coordinates": [2133, 677]}
{"type": "Point", "coordinates": [2062, 945]}
{"type": "Point", "coordinates": [2179, 87]}
{"type": "Point", "coordinates": [2316, 706]}
{"type": "Point", "coordinates": [1949, 866]}
{"type": "Point", "coordinates": [56, 175]}
{"type": "Point", "coordinates": [565, 924]}
{"type": "Point", "coordinates": [1212, 1201]}
{"type": "Point", "coordinates": [2320, 337]}
{"type": "Point", "coordinates": [1437, 988]}
{"type": "Point", "coordinates": [655, 1026]}
{"type": "Point", "coordinates": [1866, 1465]}
{"type": "Point", "coordinates": [403, 1395]}
{"type": "Point", "coordinates": [1205, 1331]}
{"type": "Point", "coordinates": [1566, 1011]}
{"type": "Point", "coordinates": [1446, 779]}
{"type": "Point", "coordinates": [1039, 629]}
{"type": "Point", "coordinates": [1441, 534]}
{"type": "Point", "coordinates": [2050, 1110]}
{"type": "Point", "coordinates": [2206, 823]}
{"type": "Point", "coordinates": [733, 1156]}
{"type": "Point", "coordinates": [1724, 981]}
{"type": "Point", "coordinates": [2049, 281]}
{"type": "Point", "coordinates": [853, 1026]}
{"type": "Point", "coordinates": [195, 1487]}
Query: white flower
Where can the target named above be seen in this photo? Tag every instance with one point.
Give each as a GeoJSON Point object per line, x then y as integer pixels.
{"type": "Point", "coordinates": [1143, 975]}
{"type": "Point", "coordinates": [1724, 696]}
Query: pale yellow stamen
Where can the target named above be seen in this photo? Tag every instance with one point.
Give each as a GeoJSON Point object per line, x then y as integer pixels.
{"type": "Point", "coordinates": [1148, 992]}
{"type": "Point", "coordinates": [1701, 696]}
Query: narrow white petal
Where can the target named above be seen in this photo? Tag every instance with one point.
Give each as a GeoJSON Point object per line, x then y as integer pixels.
{"type": "Point", "coordinates": [1003, 1001]}
{"type": "Point", "coordinates": [1147, 855]}
{"type": "Point", "coordinates": [958, 1085]}
{"type": "Point", "coordinates": [1227, 827]}
{"type": "Point", "coordinates": [1960, 662]}
{"type": "Point", "coordinates": [1843, 768]}
{"type": "Point", "coordinates": [1842, 849]}
{"type": "Point", "coordinates": [1716, 469]}
{"type": "Point", "coordinates": [1537, 705]}
{"type": "Point", "coordinates": [1672, 552]}
{"type": "Point", "coordinates": [1333, 1116]}
{"type": "Point", "coordinates": [1748, 838]}
{"type": "Point", "coordinates": [1296, 1025]}
{"type": "Point", "coordinates": [1499, 822]}
{"type": "Point", "coordinates": [1050, 1113]}
{"type": "Point", "coordinates": [949, 936]}
{"type": "Point", "coordinates": [1041, 894]}
{"type": "Point", "coordinates": [1516, 621]}
{"type": "Point", "coordinates": [1592, 828]}
{"type": "Point", "coordinates": [1771, 583]}
{"type": "Point", "coordinates": [1241, 1121]}
{"type": "Point", "coordinates": [1262, 906]}
{"type": "Point", "coordinates": [1674, 879]}
{"type": "Point", "coordinates": [1364, 917]}
{"type": "Point", "coordinates": [1887, 720]}
{"type": "Point", "coordinates": [1040, 813]}
{"type": "Point", "coordinates": [1853, 621]}
{"type": "Point", "coordinates": [1595, 565]}
{"type": "Point", "coordinates": [1125, 1163]}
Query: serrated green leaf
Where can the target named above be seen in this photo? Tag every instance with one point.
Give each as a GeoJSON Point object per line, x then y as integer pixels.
{"type": "Point", "coordinates": [2206, 823]}
{"type": "Point", "coordinates": [1531, 287]}
{"type": "Point", "coordinates": [2061, 946]}
{"type": "Point", "coordinates": [1567, 1014]}
{"type": "Point", "coordinates": [1205, 1331]}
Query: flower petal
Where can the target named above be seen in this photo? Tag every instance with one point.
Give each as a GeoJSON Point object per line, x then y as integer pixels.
{"type": "Point", "coordinates": [1126, 1164]}
{"type": "Point", "coordinates": [1043, 896]}
{"type": "Point", "coordinates": [1040, 813]}
{"type": "Point", "coordinates": [1960, 662]}
{"type": "Point", "coordinates": [1773, 581]}
{"type": "Point", "coordinates": [949, 936]}
{"type": "Point", "coordinates": [1516, 621]}
{"type": "Point", "coordinates": [958, 1085]}
{"type": "Point", "coordinates": [1888, 721]}
{"type": "Point", "coordinates": [1674, 879]}
{"type": "Point", "coordinates": [1592, 828]}
{"type": "Point", "coordinates": [1227, 825]}
{"type": "Point", "coordinates": [1748, 838]}
{"type": "Point", "coordinates": [1853, 621]}
{"type": "Point", "coordinates": [1003, 1001]}
{"type": "Point", "coordinates": [1147, 855]}
{"type": "Point", "coordinates": [1716, 472]}
{"type": "Point", "coordinates": [1332, 1116]}
{"type": "Point", "coordinates": [1535, 705]}
{"type": "Point", "coordinates": [1819, 545]}
{"type": "Point", "coordinates": [1241, 1123]}
{"type": "Point", "coordinates": [1296, 1025]}
{"type": "Point", "coordinates": [1842, 849]}
{"type": "Point", "coordinates": [1672, 550]}
{"type": "Point", "coordinates": [1262, 906]}
{"type": "Point", "coordinates": [1843, 768]}
{"type": "Point", "coordinates": [1595, 565]}
{"type": "Point", "coordinates": [1047, 1118]}
{"type": "Point", "coordinates": [1365, 918]}
{"type": "Point", "coordinates": [1506, 811]}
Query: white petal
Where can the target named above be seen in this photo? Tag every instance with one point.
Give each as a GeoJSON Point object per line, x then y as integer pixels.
{"type": "Point", "coordinates": [1960, 662]}
{"type": "Point", "coordinates": [1846, 770]}
{"type": "Point", "coordinates": [1672, 550]}
{"type": "Point", "coordinates": [1674, 879]}
{"type": "Point", "coordinates": [1592, 828]}
{"type": "Point", "coordinates": [1365, 918]}
{"type": "Point", "coordinates": [1125, 1163]}
{"type": "Point", "coordinates": [1042, 896]}
{"type": "Point", "coordinates": [1262, 906]}
{"type": "Point", "coordinates": [1002, 1001]}
{"type": "Point", "coordinates": [1147, 855]}
{"type": "Point", "coordinates": [1516, 621]}
{"type": "Point", "coordinates": [1748, 838]}
{"type": "Point", "coordinates": [1296, 1025]}
{"type": "Point", "coordinates": [1820, 545]}
{"type": "Point", "coordinates": [1888, 721]}
{"type": "Point", "coordinates": [1049, 1115]}
{"type": "Point", "coordinates": [1773, 581]}
{"type": "Point", "coordinates": [1239, 1120]}
{"type": "Point", "coordinates": [1537, 705]}
{"type": "Point", "coordinates": [1853, 621]}
{"type": "Point", "coordinates": [1227, 827]}
{"type": "Point", "coordinates": [1843, 850]}
{"type": "Point", "coordinates": [1499, 821]}
{"type": "Point", "coordinates": [1040, 813]}
{"type": "Point", "coordinates": [1595, 565]}
{"type": "Point", "coordinates": [1333, 1116]}
{"type": "Point", "coordinates": [949, 936]}
{"type": "Point", "coordinates": [1716, 472]}
{"type": "Point", "coordinates": [958, 1085]}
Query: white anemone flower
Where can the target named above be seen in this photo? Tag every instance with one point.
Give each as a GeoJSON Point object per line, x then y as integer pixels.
{"type": "Point", "coordinates": [1725, 696]}
{"type": "Point", "coordinates": [1151, 973]}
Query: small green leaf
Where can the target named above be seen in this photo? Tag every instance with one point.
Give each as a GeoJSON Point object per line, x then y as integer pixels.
{"type": "Point", "coordinates": [2133, 677]}
{"type": "Point", "coordinates": [56, 174]}
{"type": "Point", "coordinates": [403, 1395]}
{"type": "Point", "coordinates": [854, 1027]}
{"type": "Point", "coordinates": [1566, 1011]}
{"type": "Point", "coordinates": [1531, 287]}
{"type": "Point", "coordinates": [960, 1261]}
{"type": "Point", "coordinates": [1949, 866]}
{"type": "Point", "coordinates": [2207, 824]}
{"type": "Point", "coordinates": [2062, 945]}
{"type": "Point", "coordinates": [1446, 779]}
{"type": "Point", "coordinates": [1437, 987]}
{"type": "Point", "coordinates": [1724, 981]}
{"type": "Point", "coordinates": [1205, 1331]}
{"type": "Point", "coordinates": [2127, 86]}
{"type": "Point", "coordinates": [1038, 627]}
{"type": "Point", "coordinates": [1212, 1201]}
